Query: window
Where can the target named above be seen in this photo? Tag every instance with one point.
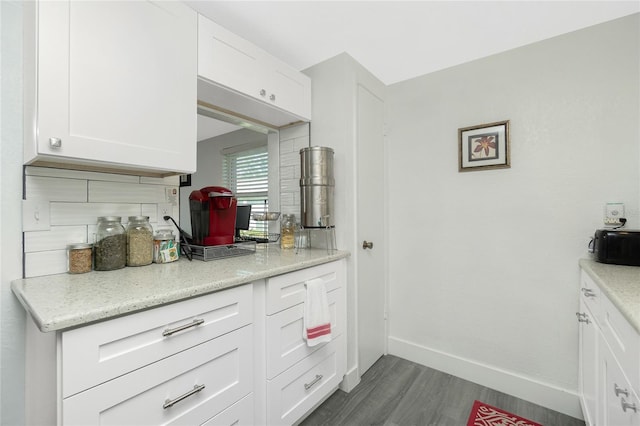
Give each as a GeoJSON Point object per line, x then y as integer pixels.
{"type": "Point", "coordinates": [246, 173]}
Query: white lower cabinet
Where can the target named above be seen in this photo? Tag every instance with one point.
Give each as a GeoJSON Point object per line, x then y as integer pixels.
{"type": "Point", "coordinates": [299, 377]}
{"type": "Point", "coordinates": [232, 357]}
{"type": "Point", "coordinates": [609, 365]}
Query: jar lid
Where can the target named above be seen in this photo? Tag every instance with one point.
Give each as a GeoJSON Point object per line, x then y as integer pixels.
{"type": "Point", "coordinates": [138, 218]}
{"type": "Point", "coordinates": [109, 219]}
{"type": "Point", "coordinates": [79, 246]}
{"type": "Point", "coordinates": [164, 234]}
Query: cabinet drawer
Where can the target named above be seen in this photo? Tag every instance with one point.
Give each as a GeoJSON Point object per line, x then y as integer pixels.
{"type": "Point", "coordinates": [285, 329]}
{"type": "Point", "coordinates": [293, 393]}
{"type": "Point", "coordinates": [617, 394]}
{"type": "Point", "coordinates": [285, 291]}
{"type": "Point", "coordinates": [96, 353]}
{"type": "Point", "coordinates": [623, 340]}
{"type": "Point", "coordinates": [222, 365]}
{"type": "Point", "coordinates": [239, 414]}
{"type": "Point", "coordinates": [590, 293]}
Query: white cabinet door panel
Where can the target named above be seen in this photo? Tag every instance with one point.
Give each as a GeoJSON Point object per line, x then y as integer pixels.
{"type": "Point", "coordinates": [222, 365]}
{"type": "Point", "coordinates": [614, 413]}
{"type": "Point", "coordinates": [117, 83]}
{"type": "Point", "coordinates": [285, 334]}
{"type": "Point", "coordinates": [284, 291]}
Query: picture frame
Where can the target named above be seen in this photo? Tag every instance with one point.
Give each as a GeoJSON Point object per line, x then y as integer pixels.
{"type": "Point", "coordinates": [185, 180]}
{"type": "Point", "coordinates": [484, 147]}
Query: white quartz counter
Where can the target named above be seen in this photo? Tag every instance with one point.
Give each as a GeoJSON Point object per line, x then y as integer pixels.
{"type": "Point", "coordinates": [621, 284]}
{"type": "Point", "coordinates": [57, 302]}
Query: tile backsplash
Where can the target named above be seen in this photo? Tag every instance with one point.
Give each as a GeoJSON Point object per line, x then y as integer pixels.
{"type": "Point", "coordinates": [292, 140]}
{"type": "Point", "coordinates": [71, 202]}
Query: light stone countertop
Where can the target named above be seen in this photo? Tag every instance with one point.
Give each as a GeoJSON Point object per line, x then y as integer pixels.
{"type": "Point", "coordinates": [621, 284]}
{"type": "Point", "coordinates": [58, 302]}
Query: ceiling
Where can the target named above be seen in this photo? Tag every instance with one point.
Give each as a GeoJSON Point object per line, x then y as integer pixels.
{"type": "Point", "coordinates": [399, 40]}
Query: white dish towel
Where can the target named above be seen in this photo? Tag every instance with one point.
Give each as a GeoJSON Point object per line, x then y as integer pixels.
{"type": "Point", "coordinates": [317, 317]}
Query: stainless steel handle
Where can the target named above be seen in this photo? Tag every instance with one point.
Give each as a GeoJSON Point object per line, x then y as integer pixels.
{"type": "Point", "coordinates": [367, 245]}
{"type": "Point", "coordinates": [55, 142]}
{"type": "Point", "coordinates": [170, 331]}
{"type": "Point", "coordinates": [309, 385]}
{"type": "Point", "coordinates": [582, 317]}
{"type": "Point", "coordinates": [628, 405]}
{"type": "Point", "coordinates": [263, 92]}
{"type": "Point", "coordinates": [588, 292]}
{"type": "Point", "coordinates": [618, 390]}
{"type": "Point", "coordinates": [272, 97]}
{"type": "Point", "coordinates": [171, 402]}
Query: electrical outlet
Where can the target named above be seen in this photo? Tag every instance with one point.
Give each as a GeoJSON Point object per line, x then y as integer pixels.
{"type": "Point", "coordinates": [612, 213]}
{"type": "Point", "coordinates": [35, 215]}
{"type": "Point", "coordinates": [164, 209]}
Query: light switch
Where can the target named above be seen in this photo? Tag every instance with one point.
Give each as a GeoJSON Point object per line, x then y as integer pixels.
{"type": "Point", "coordinates": [35, 215]}
{"type": "Point", "coordinates": [612, 213]}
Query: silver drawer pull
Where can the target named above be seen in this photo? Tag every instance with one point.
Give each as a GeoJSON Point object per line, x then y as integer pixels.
{"type": "Point", "coordinates": [588, 292]}
{"type": "Point", "coordinates": [55, 142]}
{"type": "Point", "coordinates": [628, 405]}
{"type": "Point", "coordinates": [171, 402]}
{"type": "Point", "coordinates": [170, 331]}
{"type": "Point", "coordinates": [308, 386]}
{"type": "Point", "coordinates": [582, 317]}
{"type": "Point", "coordinates": [618, 390]}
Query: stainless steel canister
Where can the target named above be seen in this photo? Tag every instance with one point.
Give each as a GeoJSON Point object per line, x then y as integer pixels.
{"type": "Point", "coordinates": [316, 187]}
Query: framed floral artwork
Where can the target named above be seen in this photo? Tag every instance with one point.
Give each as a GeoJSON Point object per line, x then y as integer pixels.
{"type": "Point", "coordinates": [484, 147]}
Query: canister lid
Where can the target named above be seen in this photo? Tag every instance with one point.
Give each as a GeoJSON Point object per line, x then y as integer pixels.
{"type": "Point", "coordinates": [109, 219]}
{"type": "Point", "coordinates": [164, 234]}
{"type": "Point", "coordinates": [79, 246]}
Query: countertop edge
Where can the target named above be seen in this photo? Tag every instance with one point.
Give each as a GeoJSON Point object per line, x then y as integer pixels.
{"type": "Point", "coordinates": [74, 320]}
{"type": "Point", "coordinates": [612, 291]}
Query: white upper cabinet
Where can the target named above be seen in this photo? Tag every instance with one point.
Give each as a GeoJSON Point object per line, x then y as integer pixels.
{"type": "Point", "coordinates": [111, 85]}
{"type": "Point", "coordinates": [237, 76]}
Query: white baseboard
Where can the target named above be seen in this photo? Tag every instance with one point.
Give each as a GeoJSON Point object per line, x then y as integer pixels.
{"type": "Point", "coordinates": [547, 395]}
{"type": "Point", "coordinates": [351, 380]}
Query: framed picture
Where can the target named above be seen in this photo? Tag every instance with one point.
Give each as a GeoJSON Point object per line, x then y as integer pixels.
{"type": "Point", "coordinates": [484, 147]}
{"type": "Point", "coordinates": [185, 180]}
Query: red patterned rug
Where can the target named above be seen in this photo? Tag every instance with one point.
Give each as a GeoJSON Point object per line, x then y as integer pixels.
{"type": "Point", "coordinates": [486, 415]}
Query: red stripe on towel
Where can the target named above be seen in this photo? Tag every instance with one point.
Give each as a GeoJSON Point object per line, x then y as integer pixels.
{"type": "Point", "coordinates": [318, 331]}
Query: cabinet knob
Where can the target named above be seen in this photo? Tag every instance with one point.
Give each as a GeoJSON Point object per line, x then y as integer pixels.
{"type": "Point", "coordinates": [263, 92]}
{"type": "Point", "coordinates": [618, 390]}
{"type": "Point", "coordinates": [55, 142]}
{"type": "Point", "coordinates": [628, 405]}
{"type": "Point", "coordinates": [272, 97]}
{"type": "Point", "coordinates": [367, 244]}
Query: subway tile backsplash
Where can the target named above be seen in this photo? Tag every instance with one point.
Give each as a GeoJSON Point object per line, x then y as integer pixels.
{"type": "Point", "coordinates": [75, 200]}
{"type": "Point", "coordinates": [292, 140]}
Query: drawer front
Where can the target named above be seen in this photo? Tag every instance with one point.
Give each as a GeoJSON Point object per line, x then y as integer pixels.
{"type": "Point", "coordinates": [239, 414]}
{"type": "Point", "coordinates": [618, 397]}
{"type": "Point", "coordinates": [623, 340]}
{"type": "Point", "coordinates": [285, 344]}
{"type": "Point", "coordinates": [296, 391]}
{"type": "Point", "coordinates": [96, 353]}
{"type": "Point", "coordinates": [224, 366]}
{"type": "Point", "coordinates": [590, 293]}
{"type": "Point", "coordinates": [285, 291]}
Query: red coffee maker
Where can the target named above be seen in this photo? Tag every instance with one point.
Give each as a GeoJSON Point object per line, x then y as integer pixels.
{"type": "Point", "coordinates": [213, 216]}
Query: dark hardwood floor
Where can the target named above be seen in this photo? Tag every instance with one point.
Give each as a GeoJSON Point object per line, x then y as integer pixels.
{"type": "Point", "coordinates": [400, 392]}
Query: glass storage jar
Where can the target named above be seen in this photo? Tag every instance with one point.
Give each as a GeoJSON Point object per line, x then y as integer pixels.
{"type": "Point", "coordinates": [287, 230]}
{"type": "Point", "coordinates": [79, 257]}
{"type": "Point", "coordinates": [139, 241]}
{"type": "Point", "coordinates": [110, 249]}
{"type": "Point", "coordinates": [165, 247]}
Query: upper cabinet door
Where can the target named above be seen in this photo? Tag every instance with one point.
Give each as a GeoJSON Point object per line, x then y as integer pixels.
{"type": "Point", "coordinates": [240, 77]}
{"type": "Point", "coordinates": [116, 85]}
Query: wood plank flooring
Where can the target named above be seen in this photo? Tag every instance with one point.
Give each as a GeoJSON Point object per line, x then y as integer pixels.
{"type": "Point", "coordinates": [400, 392]}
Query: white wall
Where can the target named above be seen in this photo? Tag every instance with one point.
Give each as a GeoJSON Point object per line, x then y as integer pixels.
{"type": "Point", "coordinates": [483, 265]}
{"type": "Point", "coordinates": [12, 317]}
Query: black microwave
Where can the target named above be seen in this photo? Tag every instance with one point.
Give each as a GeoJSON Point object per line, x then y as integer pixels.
{"type": "Point", "coordinates": [616, 246]}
